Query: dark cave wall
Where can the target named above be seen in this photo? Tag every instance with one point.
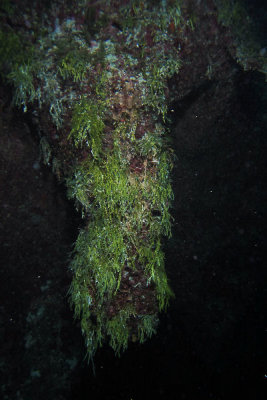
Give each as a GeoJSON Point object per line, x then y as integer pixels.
{"type": "Point", "coordinates": [39, 344]}
{"type": "Point", "coordinates": [219, 233]}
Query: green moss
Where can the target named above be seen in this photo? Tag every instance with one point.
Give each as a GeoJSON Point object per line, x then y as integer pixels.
{"type": "Point", "coordinates": [10, 49]}
{"type": "Point", "coordinates": [118, 208]}
{"type": "Point", "coordinates": [118, 330]}
{"type": "Point", "coordinates": [82, 303]}
{"type": "Point", "coordinates": [119, 205]}
{"type": "Point", "coordinates": [234, 15]}
{"type": "Point", "coordinates": [17, 66]}
{"type": "Point", "coordinates": [153, 258]}
{"type": "Point", "coordinates": [22, 78]}
{"type": "Point", "coordinates": [29, 71]}
{"type": "Point", "coordinates": [147, 327]}
{"type": "Point", "coordinates": [103, 257]}
{"type": "Point", "coordinates": [100, 254]}
{"type": "Point", "coordinates": [74, 67]}
{"type": "Point", "coordinates": [74, 59]}
{"type": "Point", "coordinates": [126, 208]}
{"type": "Point", "coordinates": [156, 79]}
{"type": "Point", "coordinates": [101, 89]}
{"type": "Point", "coordinates": [151, 143]}
{"type": "Point", "coordinates": [88, 125]}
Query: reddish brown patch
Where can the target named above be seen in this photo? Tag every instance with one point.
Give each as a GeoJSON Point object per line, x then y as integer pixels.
{"type": "Point", "coordinates": [171, 28]}
{"type": "Point", "coordinates": [136, 165]}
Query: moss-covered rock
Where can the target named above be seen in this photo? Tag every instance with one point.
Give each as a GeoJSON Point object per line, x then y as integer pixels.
{"type": "Point", "coordinates": [95, 80]}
